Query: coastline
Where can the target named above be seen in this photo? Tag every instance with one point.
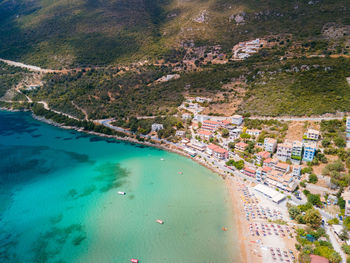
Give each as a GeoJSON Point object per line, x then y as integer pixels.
{"type": "Point", "coordinates": [244, 255]}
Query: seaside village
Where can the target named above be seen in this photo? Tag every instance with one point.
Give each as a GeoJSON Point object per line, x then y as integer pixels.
{"type": "Point", "coordinates": [293, 201]}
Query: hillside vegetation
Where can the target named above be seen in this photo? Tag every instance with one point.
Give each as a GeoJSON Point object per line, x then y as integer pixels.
{"type": "Point", "coordinates": [84, 32]}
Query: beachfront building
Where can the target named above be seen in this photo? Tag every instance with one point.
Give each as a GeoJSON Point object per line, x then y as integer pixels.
{"type": "Point", "coordinates": [312, 134]}
{"type": "Point", "coordinates": [205, 135]}
{"type": "Point", "coordinates": [346, 197]}
{"type": "Point", "coordinates": [217, 152]}
{"type": "Point", "coordinates": [261, 156]}
{"type": "Point", "coordinates": [297, 150]}
{"type": "Point", "coordinates": [210, 125]}
{"type": "Point", "coordinates": [249, 171]}
{"type": "Point", "coordinates": [262, 172]}
{"type": "Point", "coordinates": [284, 151]}
{"type": "Point", "coordinates": [309, 151]}
{"type": "Point", "coordinates": [156, 127]}
{"type": "Point", "coordinates": [270, 145]}
{"type": "Point", "coordinates": [196, 145]}
{"type": "Point", "coordinates": [253, 132]}
{"type": "Point", "coordinates": [270, 193]}
{"type": "Point", "coordinates": [241, 146]}
{"type": "Point", "coordinates": [237, 119]}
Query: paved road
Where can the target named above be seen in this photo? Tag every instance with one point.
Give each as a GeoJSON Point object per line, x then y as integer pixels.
{"type": "Point", "coordinates": [29, 67]}
{"type": "Point", "coordinates": [340, 116]}
{"type": "Point", "coordinates": [335, 243]}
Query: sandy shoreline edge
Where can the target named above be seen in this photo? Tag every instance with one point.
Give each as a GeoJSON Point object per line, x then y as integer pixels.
{"type": "Point", "coordinates": [229, 182]}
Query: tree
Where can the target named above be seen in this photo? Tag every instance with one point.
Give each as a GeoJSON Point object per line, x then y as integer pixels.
{"type": "Point", "coordinates": [245, 136]}
{"type": "Point", "coordinates": [314, 199]}
{"type": "Point", "coordinates": [340, 142]}
{"type": "Point", "coordinates": [326, 142]}
{"type": "Point", "coordinates": [225, 133]}
{"type": "Point", "coordinates": [313, 178]}
{"type": "Point", "coordinates": [239, 165]}
{"type": "Point", "coordinates": [294, 211]}
{"type": "Point", "coordinates": [313, 218]}
{"type": "Point", "coordinates": [231, 145]}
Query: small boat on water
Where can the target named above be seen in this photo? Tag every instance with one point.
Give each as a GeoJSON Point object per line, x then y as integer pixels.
{"type": "Point", "coordinates": [180, 172]}
{"type": "Point", "coordinates": [162, 159]}
{"type": "Point", "coordinates": [160, 221]}
{"type": "Point", "coordinates": [134, 260]}
{"type": "Point", "coordinates": [121, 193]}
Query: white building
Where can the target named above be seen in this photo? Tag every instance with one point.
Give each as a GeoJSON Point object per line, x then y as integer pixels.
{"type": "Point", "coordinates": [186, 116]}
{"type": "Point", "coordinates": [296, 171]}
{"type": "Point", "coordinates": [202, 100]}
{"type": "Point", "coordinates": [348, 127]}
{"type": "Point", "coordinates": [297, 149]}
{"type": "Point", "coordinates": [270, 193]}
{"type": "Point", "coordinates": [253, 132]}
{"type": "Point", "coordinates": [196, 145]}
{"type": "Point", "coordinates": [346, 197]}
{"type": "Point", "coordinates": [157, 127]}
{"type": "Point", "coordinates": [312, 134]}
{"type": "Point", "coordinates": [284, 151]}
{"type": "Point", "coordinates": [237, 119]}
{"type": "Point", "coordinates": [270, 144]}
{"type": "Point", "coordinates": [201, 118]}
{"type": "Point", "coordinates": [180, 133]}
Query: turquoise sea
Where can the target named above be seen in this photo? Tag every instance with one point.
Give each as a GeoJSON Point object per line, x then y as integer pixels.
{"type": "Point", "coordinates": [59, 201]}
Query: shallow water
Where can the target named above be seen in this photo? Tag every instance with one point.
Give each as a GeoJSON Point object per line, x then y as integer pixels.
{"type": "Point", "coordinates": [59, 201]}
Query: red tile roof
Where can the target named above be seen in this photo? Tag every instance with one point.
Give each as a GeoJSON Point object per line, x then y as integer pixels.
{"type": "Point", "coordinates": [241, 145]}
{"type": "Point", "coordinates": [267, 169]}
{"type": "Point", "coordinates": [204, 132]}
{"type": "Point", "coordinates": [211, 122]}
{"type": "Point", "coordinates": [318, 259]}
{"type": "Point", "coordinates": [264, 154]}
{"type": "Point", "coordinates": [249, 170]}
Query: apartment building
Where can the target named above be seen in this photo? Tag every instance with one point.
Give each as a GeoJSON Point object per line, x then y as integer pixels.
{"type": "Point", "coordinates": [237, 119]}
{"type": "Point", "coordinates": [205, 135]}
{"type": "Point", "coordinates": [253, 132]}
{"type": "Point", "coordinates": [270, 145]}
{"type": "Point", "coordinates": [284, 151]}
{"type": "Point", "coordinates": [241, 146]}
{"type": "Point", "coordinates": [309, 151]}
{"type": "Point", "coordinates": [312, 134]}
{"type": "Point", "coordinates": [217, 152]}
{"type": "Point", "coordinates": [297, 150]}
{"type": "Point", "coordinates": [210, 125]}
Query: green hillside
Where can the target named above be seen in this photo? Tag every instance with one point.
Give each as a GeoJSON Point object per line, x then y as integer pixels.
{"type": "Point", "coordinates": [85, 32]}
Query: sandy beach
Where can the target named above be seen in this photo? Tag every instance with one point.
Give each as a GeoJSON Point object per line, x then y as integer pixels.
{"type": "Point", "coordinates": [272, 240]}
{"type": "Point", "coordinates": [241, 223]}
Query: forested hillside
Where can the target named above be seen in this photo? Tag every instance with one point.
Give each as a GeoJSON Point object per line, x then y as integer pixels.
{"type": "Point", "coordinates": [84, 32]}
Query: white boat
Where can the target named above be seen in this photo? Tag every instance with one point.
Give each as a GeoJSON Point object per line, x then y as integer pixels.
{"type": "Point", "coordinates": [162, 159]}
{"type": "Point", "coordinates": [160, 221]}
{"type": "Point", "coordinates": [121, 193]}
